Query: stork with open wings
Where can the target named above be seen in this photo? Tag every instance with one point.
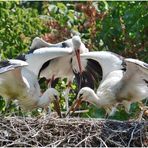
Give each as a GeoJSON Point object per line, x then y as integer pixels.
{"type": "Point", "coordinates": [17, 82]}
{"type": "Point", "coordinates": [118, 87]}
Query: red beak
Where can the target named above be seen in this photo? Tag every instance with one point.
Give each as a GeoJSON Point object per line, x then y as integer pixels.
{"type": "Point", "coordinates": [79, 60]}
{"type": "Point", "coordinates": [57, 107]}
{"type": "Point", "coordinates": [75, 105]}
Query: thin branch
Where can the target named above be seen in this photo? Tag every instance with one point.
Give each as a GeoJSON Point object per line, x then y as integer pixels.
{"type": "Point", "coordinates": [132, 134]}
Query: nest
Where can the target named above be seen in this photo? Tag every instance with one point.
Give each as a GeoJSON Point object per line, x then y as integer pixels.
{"type": "Point", "coordinates": [55, 132]}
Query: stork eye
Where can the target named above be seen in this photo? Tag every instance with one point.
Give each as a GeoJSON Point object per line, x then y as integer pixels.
{"type": "Point", "coordinates": [64, 45]}
{"type": "Point", "coordinates": [80, 95]}
{"type": "Point", "coordinates": [56, 97]}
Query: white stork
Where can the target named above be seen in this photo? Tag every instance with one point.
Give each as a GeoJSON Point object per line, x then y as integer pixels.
{"type": "Point", "coordinates": [118, 87]}
{"type": "Point", "coordinates": [17, 82]}
{"type": "Point", "coordinates": [48, 60]}
{"type": "Point", "coordinates": [53, 61]}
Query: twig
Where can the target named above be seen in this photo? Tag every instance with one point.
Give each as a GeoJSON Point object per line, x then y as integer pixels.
{"type": "Point", "coordinates": [102, 141]}
{"type": "Point", "coordinates": [132, 134]}
{"type": "Point", "coordinates": [77, 112]}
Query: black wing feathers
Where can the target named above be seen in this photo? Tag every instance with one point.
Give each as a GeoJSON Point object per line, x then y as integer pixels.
{"type": "Point", "coordinates": [91, 76]}
{"type": "Point", "coordinates": [44, 66]}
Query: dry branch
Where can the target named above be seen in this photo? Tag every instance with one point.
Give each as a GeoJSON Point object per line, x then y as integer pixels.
{"type": "Point", "coordinates": [49, 132]}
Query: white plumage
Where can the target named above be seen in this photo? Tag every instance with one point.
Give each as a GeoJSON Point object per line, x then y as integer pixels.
{"type": "Point", "coordinates": [40, 43]}
{"type": "Point", "coordinates": [118, 87]}
{"type": "Point", "coordinates": [41, 56]}
{"type": "Point", "coordinates": [48, 60]}
{"type": "Point", "coordinates": [17, 82]}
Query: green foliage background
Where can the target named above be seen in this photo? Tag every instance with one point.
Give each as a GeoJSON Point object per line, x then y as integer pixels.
{"type": "Point", "coordinates": [120, 27]}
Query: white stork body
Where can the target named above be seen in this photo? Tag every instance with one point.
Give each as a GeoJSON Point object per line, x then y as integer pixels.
{"type": "Point", "coordinates": [119, 87]}
{"type": "Point", "coordinates": [17, 82]}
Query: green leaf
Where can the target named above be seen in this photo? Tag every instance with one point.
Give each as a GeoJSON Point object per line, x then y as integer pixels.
{"type": "Point", "coordinates": [62, 8]}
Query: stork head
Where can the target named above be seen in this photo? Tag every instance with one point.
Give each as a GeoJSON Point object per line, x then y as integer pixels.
{"type": "Point", "coordinates": [85, 94]}
{"type": "Point", "coordinates": [54, 97]}
{"type": "Point", "coordinates": [76, 40]}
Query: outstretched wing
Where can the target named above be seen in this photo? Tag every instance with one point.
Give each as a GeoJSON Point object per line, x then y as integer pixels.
{"type": "Point", "coordinates": [42, 56]}
{"type": "Point", "coordinates": [136, 77]}
{"type": "Point", "coordinates": [96, 65]}
{"type": "Point", "coordinates": [136, 67]}
{"type": "Point", "coordinates": [40, 43]}
{"type": "Point", "coordinates": [11, 76]}
{"type": "Point", "coordinates": [8, 65]}
{"type": "Point", "coordinates": [42, 52]}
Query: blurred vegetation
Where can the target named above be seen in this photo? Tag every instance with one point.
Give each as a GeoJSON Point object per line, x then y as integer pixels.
{"type": "Point", "coordinates": [120, 27]}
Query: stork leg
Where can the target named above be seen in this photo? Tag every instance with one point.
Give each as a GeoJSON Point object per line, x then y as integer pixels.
{"type": "Point", "coordinates": [66, 95]}
{"type": "Point", "coordinates": [49, 82]}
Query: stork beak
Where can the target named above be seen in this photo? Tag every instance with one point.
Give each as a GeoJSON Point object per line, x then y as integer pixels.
{"type": "Point", "coordinates": [79, 61]}
{"type": "Point", "coordinates": [75, 105]}
{"type": "Point", "coordinates": [57, 107]}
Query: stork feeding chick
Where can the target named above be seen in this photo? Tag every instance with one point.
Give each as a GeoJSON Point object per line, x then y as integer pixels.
{"type": "Point", "coordinates": [118, 87]}
{"type": "Point", "coordinates": [17, 82]}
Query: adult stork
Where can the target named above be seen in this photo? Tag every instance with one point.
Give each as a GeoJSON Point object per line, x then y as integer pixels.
{"type": "Point", "coordinates": [17, 82]}
{"type": "Point", "coordinates": [53, 61]}
{"type": "Point", "coordinates": [96, 66]}
{"type": "Point", "coordinates": [118, 87]}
